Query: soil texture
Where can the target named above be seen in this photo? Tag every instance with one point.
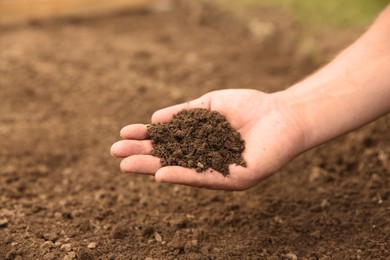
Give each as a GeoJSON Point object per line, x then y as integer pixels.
{"type": "Point", "coordinates": [68, 86]}
{"type": "Point", "coordinates": [198, 139]}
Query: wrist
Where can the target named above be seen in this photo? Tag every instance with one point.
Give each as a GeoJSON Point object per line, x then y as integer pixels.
{"type": "Point", "coordinates": [295, 115]}
{"type": "Point", "coordinates": [316, 111]}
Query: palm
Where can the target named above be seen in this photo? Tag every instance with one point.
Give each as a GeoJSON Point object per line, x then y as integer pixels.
{"type": "Point", "coordinates": [271, 140]}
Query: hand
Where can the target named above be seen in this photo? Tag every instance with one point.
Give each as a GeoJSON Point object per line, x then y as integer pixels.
{"type": "Point", "coordinates": [271, 132]}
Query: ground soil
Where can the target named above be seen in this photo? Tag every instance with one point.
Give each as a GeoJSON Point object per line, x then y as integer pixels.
{"type": "Point", "coordinates": [199, 139]}
{"type": "Point", "coordinates": [68, 86]}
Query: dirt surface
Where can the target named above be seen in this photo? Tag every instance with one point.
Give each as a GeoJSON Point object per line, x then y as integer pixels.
{"type": "Point", "coordinates": [67, 87]}
{"type": "Point", "coordinates": [199, 139]}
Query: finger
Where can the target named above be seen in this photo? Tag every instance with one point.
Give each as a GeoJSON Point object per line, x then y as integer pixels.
{"type": "Point", "coordinates": [184, 176]}
{"type": "Point", "coordinates": [126, 148]}
{"type": "Point", "coordinates": [134, 131]}
{"type": "Point", "coordinates": [143, 164]}
{"type": "Point", "coordinates": [166, 114]}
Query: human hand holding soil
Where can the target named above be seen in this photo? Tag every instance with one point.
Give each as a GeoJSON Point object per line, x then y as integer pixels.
{"type": "Point", "coordinates": [272, 136]}
{"type": "Point", "coordinates": [349, 92]}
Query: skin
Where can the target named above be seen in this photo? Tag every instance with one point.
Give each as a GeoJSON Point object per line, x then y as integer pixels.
{"type": "Point", "coordinates": [349, 92]}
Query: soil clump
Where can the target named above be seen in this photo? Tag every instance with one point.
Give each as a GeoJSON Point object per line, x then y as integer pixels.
{"type": "Point", "coordinates": [199, 139]}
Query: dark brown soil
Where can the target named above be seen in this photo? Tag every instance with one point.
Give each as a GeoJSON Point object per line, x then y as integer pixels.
{"type": "Point", "coordinates": [67, 88]}
{"type": "Point", "coordinates": [198, 139]}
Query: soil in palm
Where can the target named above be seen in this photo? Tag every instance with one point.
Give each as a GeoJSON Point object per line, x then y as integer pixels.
{"type": "Point", "coordinates": [198, 139]}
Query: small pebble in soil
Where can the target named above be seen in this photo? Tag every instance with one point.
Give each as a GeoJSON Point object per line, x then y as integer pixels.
{"type": "Point", "coordinates": [66, 247]}
{"type": "Point", "coordinates": [92, 245]}
{"type": "Point", "coordinates": [291, 256]}
{"type": "Point", "coordinates": [70, 255]}
{"type": "Point", "coordinates": [48, 244]}
{"type": "Point", "coordinates": [199, 139]}
{"type": "Point", "coordinates": [158, 237]}
{"type": "Point", "coordinates": [194, 243]}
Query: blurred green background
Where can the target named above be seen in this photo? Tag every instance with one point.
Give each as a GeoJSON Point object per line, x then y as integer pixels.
{"type": "Point", "coordinates": [317, 14]}
{"type": "Point", "coordinates": [321, 28]}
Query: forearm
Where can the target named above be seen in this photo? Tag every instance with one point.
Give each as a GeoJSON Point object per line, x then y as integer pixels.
{"type": "Point", "coordinates": [349, 92]}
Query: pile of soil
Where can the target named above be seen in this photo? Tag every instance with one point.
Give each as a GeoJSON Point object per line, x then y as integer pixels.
{"type": "Point", "coordinates": [199, 139]}
{"type": "Point", "coordinates": [68, 86]}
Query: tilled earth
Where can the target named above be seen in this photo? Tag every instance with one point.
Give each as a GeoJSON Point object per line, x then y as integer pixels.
{"type": "Point", "coordinates": [68, 86]}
